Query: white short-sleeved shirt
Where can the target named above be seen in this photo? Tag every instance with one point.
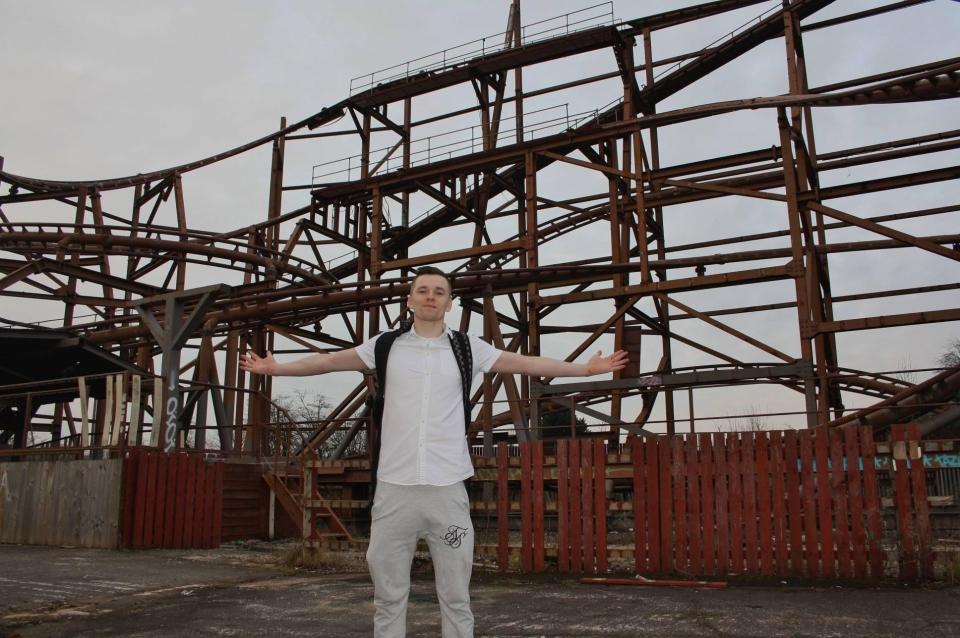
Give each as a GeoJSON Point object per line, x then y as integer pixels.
{"type": "Point", "coordinates": [422, 440]}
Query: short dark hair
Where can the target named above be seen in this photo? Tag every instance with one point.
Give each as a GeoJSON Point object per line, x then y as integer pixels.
{"type": "Point", "coordinates": [432, 270]}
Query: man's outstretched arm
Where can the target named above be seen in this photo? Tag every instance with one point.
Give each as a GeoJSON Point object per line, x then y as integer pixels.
{"type": "Point", "coordinates": [513, 363]}
{"type": "Point", "coordinates": [314, 364]}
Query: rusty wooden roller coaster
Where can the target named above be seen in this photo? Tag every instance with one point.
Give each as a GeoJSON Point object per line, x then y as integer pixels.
{"type": "Point", "coordinates": [552, 208]}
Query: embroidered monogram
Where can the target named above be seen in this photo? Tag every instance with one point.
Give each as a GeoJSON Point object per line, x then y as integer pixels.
{"type": "Point", "coordinates": [454, 536]}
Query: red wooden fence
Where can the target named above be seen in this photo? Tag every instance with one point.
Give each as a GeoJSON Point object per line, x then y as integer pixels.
{"type": "Point", "coordinates": [913, 510]}
{"type": "Point", "coordinates": [796, 503]}
{"type": "Point", "coordinates": [171, 500]}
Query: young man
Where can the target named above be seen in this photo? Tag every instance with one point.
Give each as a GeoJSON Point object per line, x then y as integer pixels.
{"type": "Point", "coordinates": [424, 456]}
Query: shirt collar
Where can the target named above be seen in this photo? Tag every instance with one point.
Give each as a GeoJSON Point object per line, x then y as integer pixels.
{"type": "Point", "coordinates": [413, 333]}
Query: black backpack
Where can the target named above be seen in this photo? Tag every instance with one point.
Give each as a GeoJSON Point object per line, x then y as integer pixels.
{"type": "Point", "coordinates": [459, 342]}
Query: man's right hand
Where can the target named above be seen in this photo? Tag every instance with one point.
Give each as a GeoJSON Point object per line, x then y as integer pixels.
{"type": "Point", "coordinates": [250, 362]}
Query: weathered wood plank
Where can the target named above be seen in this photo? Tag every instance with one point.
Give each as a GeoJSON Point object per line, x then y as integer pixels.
{"type": "Point", "coordinates": [526, 513]}
{"type": "Point", "coordinates": [766, 537]}
{"type": "Point", "coordinates": [503, 505]}
{"type": "Point", "coordinates": [921, 507]}
{"type": "Point", "coordinates": [586, 494]}
{"type": "Point", "coordinates": [838, 489]}
{"type": "Point", "coordinates": [651, 485]}
{"type": "Point", "coordinates": [600, 506]}
{"type": "Point", "coordinates": [640, 555]}
{"type": "Point", "coordinates": [748, 465]}
{"type": "Point", "coordinates": [825, 502]}
{"type": "Point", "coordinates": [694, 524]}
{"type": "Point", "coordinates": [902, 494]}
{"type": "Point", "coordinates": [563, 509]}
{"type": "Point", "coordinates": [722, 503]}
{"type": "Point", "coordinates": [707, 505]}
{"type": "Point", "coordinates": [576, 517]}
{"type": "Point", "coordinates": [858, 535]}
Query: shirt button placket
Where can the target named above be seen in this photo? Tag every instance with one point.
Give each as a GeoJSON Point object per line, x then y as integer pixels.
{"type": "Point", "coordinates": [424, 408]}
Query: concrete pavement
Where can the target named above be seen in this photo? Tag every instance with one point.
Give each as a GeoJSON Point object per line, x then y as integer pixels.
{"type": "Point", "coordinates": [246, 590]}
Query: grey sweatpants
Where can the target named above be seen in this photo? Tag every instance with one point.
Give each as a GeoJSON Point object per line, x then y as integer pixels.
{"type": "Point", "coordinates": [401, 515]}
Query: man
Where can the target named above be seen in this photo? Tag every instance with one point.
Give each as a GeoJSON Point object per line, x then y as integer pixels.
{"type": "Point", "coordinates": [424, 457]}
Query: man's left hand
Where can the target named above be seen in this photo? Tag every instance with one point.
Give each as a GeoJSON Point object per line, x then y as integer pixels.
{"type": "Point", "coordinates": [600, 364]}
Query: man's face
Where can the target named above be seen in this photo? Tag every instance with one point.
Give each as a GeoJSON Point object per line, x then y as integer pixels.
{"type": "Point", "coordinates": [429, 298]}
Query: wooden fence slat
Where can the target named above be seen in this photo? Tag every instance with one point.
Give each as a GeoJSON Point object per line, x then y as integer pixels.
{"type": "Point", "coordinates": [503, 506]}
{"type": "Point", "coordinates": [640, 555]}
{"type": "Point", "coordinates": [210, 479]}
{"type": "Point", "coordinates": [902, 498]}
{"type": "Point", "coordinates": [600, 506]}
{"type": "Point", "coordinates": [811, 535]}
{"type": "Point", "coordinates": [871, 501]}
{"type": "Point", "coordinates": [748, 465]}
{"type": "Point", "coordinates": [722, 503]}
{"type": "Point", "coordinates": [918, 480]}
{"type": "Point", "coordinates": [156, 423]}
{"type": "Point", "coordinates": [707, 503]}
{"type": "Point", "coordinates": [136, 397]}
{"type": "Point", "coordinates": [794, 532]}
{"type": "Point", "coordinates": [70, 523]}
{"type": "Point", "coordinates": [735, 477]}
{"type": "Point", "coordinates": [778, 487]}
{"type": "Point", "coordinates": [651, 473]}
{"type": "Point", "coordinates": [187, 495]}
{"type": "Point", "coordinates": [105, 413]}
{"type": "Point", "coordinates": [183, 497]}
{"type": "Point", "coordinates": [140, 505]}
{"type": "Point", "coordinates": [526, 508]}
{"type": "Point", "coordinates": [196, 536]}
{"type": "Point", "coordinates": [838, 489]}
{"type": "Point", "coordinates": [576, 513]}
{"type": "Point", "coordinates": [150, 506]}
{"type": "Point", "coordinates": [84, 414]}
{"type": "Point", "coordinates": [197, 489]}
{"type": "Point", "coordinates": [563, 508]}
{"type": "Point", "coordinates": [694, 526]}
{"type": "Point", "coordinates": [129, 497]}
{"type": "Point", "coordinates": [666, 505]}
{"type": "Point", "coordinates": [678, 480]}
{"type": "Point", "coordinates": [825, 502]}
{"type": "Point", "coordinates": [218, 505]}
{"type": "Point", "coordinates": [170, 499]}
{"type": "Point", "coordinates": [586, 495]}
{"type": "Point", "coordinates": [169, 462]}
{"type": "Point", "coordinates": [765, 527]}
{"type": "Point", "coordinates": [160, 512]}
{"type": "Point", "coordinates": [539, 550]}
{"type": "Point", "coordinates": [119, 407]}
{"type": "Point", "coordinates": [858, 535]}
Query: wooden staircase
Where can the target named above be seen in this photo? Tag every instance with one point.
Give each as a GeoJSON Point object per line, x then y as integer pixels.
{"type": "Point", "coordinates": [304, 503]}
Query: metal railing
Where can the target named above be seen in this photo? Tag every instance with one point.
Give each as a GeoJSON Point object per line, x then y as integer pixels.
{"type": "Point", "coordinates": [587, 18]}
{"type": "Point", "coordinates": [456, 143]}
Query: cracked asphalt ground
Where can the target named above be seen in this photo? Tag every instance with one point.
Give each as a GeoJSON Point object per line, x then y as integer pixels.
{"type": "Point", "coordinates": [246, 590]}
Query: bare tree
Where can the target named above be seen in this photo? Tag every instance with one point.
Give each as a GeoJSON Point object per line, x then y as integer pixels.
{"type": "Point", "coordinates": [752, 421]}
{"type": "Point", "coordinates": [905, 371]}
{"type": "Point", "coordinates": [301, 415]}
{"type": "Point", "coordinates": [951, 358]}
{"type": "Point", "coordinates": [297, 416]}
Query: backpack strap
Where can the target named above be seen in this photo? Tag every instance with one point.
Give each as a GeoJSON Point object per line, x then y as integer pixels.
{"type": "Point", "coordinates": [460, 343]}
{"type": "Point", "coordinates": [381, 350]}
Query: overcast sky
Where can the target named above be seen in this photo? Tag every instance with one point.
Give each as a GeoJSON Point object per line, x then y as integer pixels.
{"type": "Point", "coordinates": [103, 89]}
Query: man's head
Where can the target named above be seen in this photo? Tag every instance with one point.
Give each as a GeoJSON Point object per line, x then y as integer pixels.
{"type": "Point", "coordinates": [430, 294]}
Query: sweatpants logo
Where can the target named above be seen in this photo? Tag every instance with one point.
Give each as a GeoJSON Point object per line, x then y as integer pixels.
{"type": "Point", "coordinates": [454, 536]}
